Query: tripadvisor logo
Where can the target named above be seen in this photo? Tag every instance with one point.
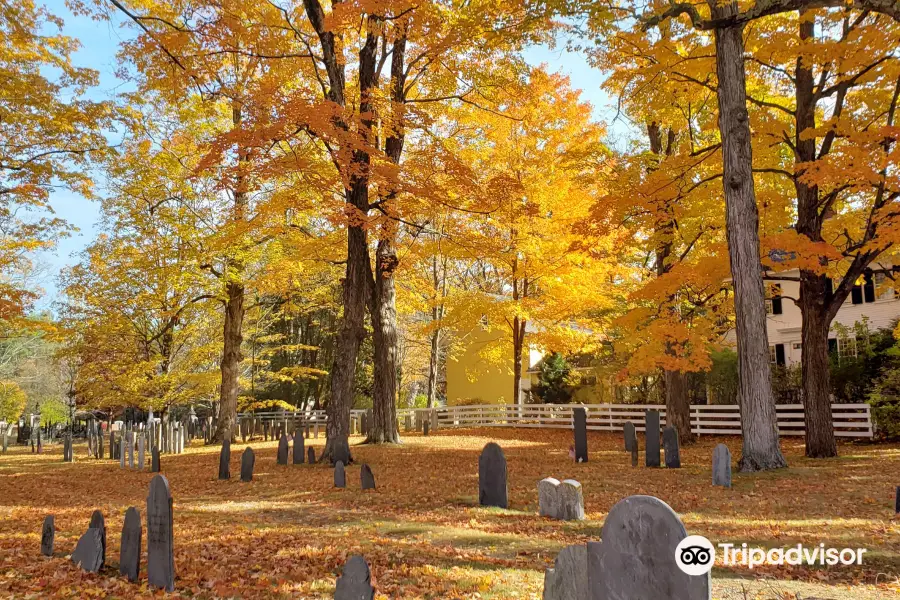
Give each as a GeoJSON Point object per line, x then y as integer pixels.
{"type": "Point", "coordinates": [695, 555]}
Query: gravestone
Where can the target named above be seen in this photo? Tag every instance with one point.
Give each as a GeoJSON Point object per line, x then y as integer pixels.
{"type": "Point", "coordinates": [48, 531]}
{"type": "Point", "coordinates": [425, 427]}
{"type": "Point", "coordinates": [721, 467]}
{"type": "Point", "coordinates": [571, 502]}
{"type": "Point", "coordinates": [651, 430]}
{"type": "Point", "coordinates": [568, 579]}
{"type": "Point", "coordinates": [142, 458]}
{"type": "Point", "coordinates": [130, 444]}
{"type": "Point", "coordinates": [630, 437]}
{"type": "Point", "coordinates": [99, 442]}
{"type": "Point", "coordinates": [492, 474]}
{"type": "Point", "coordinates": [366, 478]}
{"type": "Point", "coordinates": [130, 546]}
{"type": "Point", "coordinates": [282, 450]}
{"type": "Point", "coordinates": [225, 459]}
{"type": "Point", "coordinates": [341, 451]}
{"type": "Point", "coordinates": [636, 557]}
{"type": "Point", "coordinates": [247, 461]}
{"type": "Point", "coordinates": [670, 443]}
{"type": "Point", "coordinates": [548, 497]}
{"type": "Point", "coordinates": [364, 424]}
{"type": "Point", "coordinates": [154, 460]}
{"type": "Point", "coordinates": [311, 455]}
{"type": "Point", "coordinates": [122, 452]}
{"type": "Point", "coordinates": [408, 422]}
{"type": "Point", "coordinates": [340, 477]}
{"type": "Point", "coordinates": [99, 524]}
{"type": "Point", "coordinates": [112, 445]}
{"type": "Point", "coordinates": [160, 540]}
{"type": "Point", "coordinates": [88, 552]}
{"type": "Point", "coordinates": [897, 501]}
{"type": "Point", "coordinates": [579, 416]}
{"type": "Point", "coordinates": [355, 582]}
{"type": "Point", "coordinates": [298, 448]}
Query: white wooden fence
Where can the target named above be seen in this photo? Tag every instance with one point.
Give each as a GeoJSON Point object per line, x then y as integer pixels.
{"type": "Point", "coordinates": [850, 420]}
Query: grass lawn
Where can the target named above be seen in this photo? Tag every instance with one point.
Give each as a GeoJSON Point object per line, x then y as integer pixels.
{"type": "Point", "coordinates": [288, 532]}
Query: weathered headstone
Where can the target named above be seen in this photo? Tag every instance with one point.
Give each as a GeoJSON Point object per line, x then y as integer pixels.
{"type": "Point", "coordinates": [130, 547]}
{"type": "Point", "coordinates": [579, 423]}
{"type": "Point", "coordinates": [548, 497]}
{"type": "Point", "coordinates": [88, 552]}
{"type": "Point", "coordinates": [225, 459]}
{"type": "Point", "coordinates": [670, 443]}
{"type": "Point", "coordinates": [48, 532]}
{"type": "Point", "coordinates": [248, 458]}
{"type": "Point", "coordinates": [298, 453]}
{"type": "Point", "coordinates": [154, 460]}
{"type": "Point", "coordinates": [341, 451]}
{"type": "Point", "coordinates": [636, 557]}
{"type": "Point", "coordinates": [634, 456]}
{"type": "Point", "coordinates": [897, 501]}
{"type": "Point", "coordinates": [364, 424]}
{"type": "Point", "coordinates": [142, 457]}
{"type": "Point", "coordinates": [130, 444]}
{"type": "Point", "coordinates": [425, 427]}
{"type": "Point", "coordinates": [492, 490]}
{"type": "Point", "coordinates": [160, 535]}
{"type": "Point", "coordinates": [630, 437]}
{"type": "Point", "coordinates": [571, 505]}
{"type": "Point", "coordinates": [651, 430]}
{"type": "Point", "coordinates": [99, 442]}
{"type": "Point", "coordinates": [311, 455]}
{"type": "Point", "coordinates": [355, 582]}
{"type": "Point", "coordinates": [99, 524]}
{"type": "Point", "coordinates": [340, 477]}
{"type": "Point", "coordinates": [122, 452]}
{"type": "Point", "coordinates": [568, 579]}
{"type": "Point", "coordinates": [721, 467]}
{"type": "Point", "coordinates": [282, 455]}
{"type": "Point", "coordinates": [366, 478]}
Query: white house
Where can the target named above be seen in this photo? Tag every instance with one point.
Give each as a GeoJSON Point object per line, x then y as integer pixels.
{"type": "Point", "coordinates": [875, 299]}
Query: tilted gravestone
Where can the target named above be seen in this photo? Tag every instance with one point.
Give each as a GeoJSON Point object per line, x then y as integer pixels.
{"type": "Point", "coordinates": [248, 459]}
{"type": "Point", "coordinates": [160, 535]}
{"type": "Point", "coordinates": [48, 531]}
{"type": "Point", "coordinates": [721, 466]}
{"type": "Point", "coordinates": [670, 443]}
{"type": "Point", "coordinates": [130, 547]}
{"type": "Point", "coordinates": [561, 500]}
{"type": "Point", "coordinates": [355, 582]}
{"type": "Point", "coordinates": [154, 460]}
{"type": "Point", "coordinates": [225, 459]}
{"type": "Point", "coordinates": [99, 524]}
{"type": "Point", "coordinates": [651, 430]}
{"type": "Point", "coordinates": [366, 478]}
{"type": "Point", "coordinates": [298, 448]}
{"type": "Point", "coordinates": [579, 416]}
{"type": "Point", "coordinates": [311, 455]}
{"type": "Point", "coordinates": [282, 450]}
{"type": "Point", "coordinates": [568, 579]}
{"type": "Point", "coordinates": [340, 477]}
{"type": "Point", "coordinates": [492, 490]}
{"type": "Point", "coordinates": [630, 437]}
{"type": "Point", "coordinates": [88, 552]}
{"type": "Point", "coordinates": [636, 557]}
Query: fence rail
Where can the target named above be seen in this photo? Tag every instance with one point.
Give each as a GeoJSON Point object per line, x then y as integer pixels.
{"type": "Point", "coordinates": [850, 420]}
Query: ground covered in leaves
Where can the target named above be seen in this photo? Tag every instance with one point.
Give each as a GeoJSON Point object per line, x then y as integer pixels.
{"type": "Point", "coordinates": [288, 533]}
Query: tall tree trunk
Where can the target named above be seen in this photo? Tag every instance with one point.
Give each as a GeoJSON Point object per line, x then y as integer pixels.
{"type": "Point", "coordinates": [433, 363]}
{"type": "Point", "coordinates": [759, 425]}
{"type": "Point", "coordinates": [814, 303]}
{"type": "Point", "coordinates": [518, 350]}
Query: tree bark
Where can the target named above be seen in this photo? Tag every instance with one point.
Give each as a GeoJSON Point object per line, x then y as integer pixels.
{"type": "Point", "coordinates": [761, 450]}
{"type": "Point", "coordinates": [518, 349]}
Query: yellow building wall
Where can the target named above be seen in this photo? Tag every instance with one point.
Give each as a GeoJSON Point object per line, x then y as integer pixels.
{"type": "Point", "coordinates": [471, 380]}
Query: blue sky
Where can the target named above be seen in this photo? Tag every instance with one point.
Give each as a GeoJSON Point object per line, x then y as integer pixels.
{"type": "Point", "coordinates": [100, 42]}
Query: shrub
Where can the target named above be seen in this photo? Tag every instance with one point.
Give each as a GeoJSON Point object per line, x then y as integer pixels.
{"type": "Point", "coordinates": [885, 402]}
{"type": "Point", "coordinates": [554, 382]}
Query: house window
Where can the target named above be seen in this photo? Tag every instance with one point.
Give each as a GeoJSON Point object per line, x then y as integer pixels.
{"type": "Point", "coordinates": [884, 287]}
{"type": "Point", "coordinates": [797, 345]}
{"type": "Point", "coordinates": [864, 292]}
{"type": "Point", "coordinates": [847, 348]}
{"type": "Point", "coordinates": [773, 303]}
{"type": "Point", "coordinates": [776, 355]}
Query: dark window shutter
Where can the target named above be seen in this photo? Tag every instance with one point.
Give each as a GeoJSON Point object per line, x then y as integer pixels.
{"type": "Point", "coordinates": [779, 354]}
{"type": "Point", "coordinates": [856, 295]}
{"type": "Point", "coordinates": [832, 346]}
{"type": "Point", "coordinates": [776, 300]}
{"type": "Point", "coordinates": [869, 287]}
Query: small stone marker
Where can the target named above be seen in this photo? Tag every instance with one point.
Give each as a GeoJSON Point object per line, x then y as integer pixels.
{"type": "Point", "coordinates": [160, 541]}
{"type": "Point", "coordinates": [651, 430]}
{"type": "Point", "coordinates": [366, 478]}
{"type": "Point", "coordinates": [130, 547]}
{"type": "Point", "coordinates": [340, 477]}
{"type": "Point", "coordinates": [630, 437]}
{"type": "Point", "coordinates": [721, 467]}
{"type": "Point", "coordinates": [99, 524]}
{"type": "Point", "coordinates": [88, 552]}
{"type": "Point", "coordinates": [247, 461]}
{"type": "Point", "coordinates": [492, 490]}
{"type": "Point", "coordinates": [48, 531]}
{"type": "Point", "coordinates": [298, 454]}
{"type": "Point", "coordinates": [311, 455]}
{"type": "Point", "coordinates": [670, 443]}
{"type": "Point", "coordinates": [636, 557]}
{"type": "Point", "coordinates": [225, 459]}
{"type": "Point", "coordinates": [154, 460]}
{"type": "Point", "coordinates": [355, 582]}
{"type": "Point", "coordinates": [568, 579]}
{"type": "Point", "coordinates": [282, 449]}
{"type": "Point", "coordinates": [579, 416]}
